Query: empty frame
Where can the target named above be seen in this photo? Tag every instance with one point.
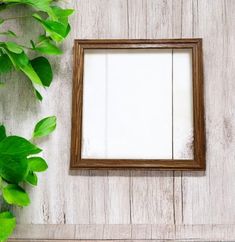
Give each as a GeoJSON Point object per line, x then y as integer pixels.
{"type": "Point", "coordinates": [138, 104]}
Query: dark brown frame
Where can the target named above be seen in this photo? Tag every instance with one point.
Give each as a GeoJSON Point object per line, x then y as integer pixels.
{"type": "Point", "coordinates": [198, 163]}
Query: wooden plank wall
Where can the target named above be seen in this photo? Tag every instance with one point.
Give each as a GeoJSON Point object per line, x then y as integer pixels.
{"type": "Point", "coordinates": [133, 204]}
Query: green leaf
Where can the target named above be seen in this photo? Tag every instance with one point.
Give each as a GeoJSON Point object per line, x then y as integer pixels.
{"type": "Point", "coordinates": [17, 146]}
{"type": "Point", "coordinates": [18, 60]}
{"type": "Point", "coordinates": [43, 5]}
{"type": "Point", "coordinates": [6, 215]}
{"type": "Point", "coordinates": [13, 169]}
{"type": "Point", "coordinates": [37, 164]}
{"type": "Point", "coordinates": [43, 69]}
{"type": "Point", "coordinates": [45, 46]}
{"type": "Point", "coordinates": [21, 62]}
{"type": "Point", "coordinates": [56, 30]}
{"type": "Point", "coordinates": [45, 127]}
{"type": "Point", "coordinates": [32, 75]}
{"type": "Point", "coordinates": [14, 194]}
{"type": "Point", "coordinates": [1, 20]}
{"type": "Point", "coordinates": [2, 132]}
{"type": "Point", "coordinates": [5, 64]}
{"type": "Point", "coordinates": [62, 14]}
{"type": "Point", "coordinates": [32, 178]}
{"type": "Point", "coordinates": [7, 225]}
{"type": "Point", "coordinates": [13, 47]}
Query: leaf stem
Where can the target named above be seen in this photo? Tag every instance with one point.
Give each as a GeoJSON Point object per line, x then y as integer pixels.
{"type": "Point", "coordinates": [26, 47]}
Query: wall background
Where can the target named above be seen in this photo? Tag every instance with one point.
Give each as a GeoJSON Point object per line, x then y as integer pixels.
{"type": "Point", "coordinates": [133, 204]}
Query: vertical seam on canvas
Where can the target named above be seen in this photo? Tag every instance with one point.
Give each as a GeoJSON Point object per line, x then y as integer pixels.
{"type": "Point", "coordinates": [172, 127]}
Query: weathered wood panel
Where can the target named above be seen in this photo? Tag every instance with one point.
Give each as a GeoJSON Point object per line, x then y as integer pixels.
{"type": "Point", "coordinates": [208, 197]}
{"type": "Point", "coordinates": [203, 232]}
{"type": "Point", "coordinates": [160, 205]}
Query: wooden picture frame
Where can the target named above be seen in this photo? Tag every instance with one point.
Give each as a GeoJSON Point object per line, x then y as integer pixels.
{"type": "Point", "coordinates": [198, 161]}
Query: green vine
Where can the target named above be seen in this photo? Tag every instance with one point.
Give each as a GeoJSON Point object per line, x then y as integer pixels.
{"type": "Point", "coordinates": [19, 160]}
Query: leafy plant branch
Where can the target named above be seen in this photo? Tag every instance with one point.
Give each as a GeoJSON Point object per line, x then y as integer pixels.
{"type": "Point", "coordinates": [19, 158]}
{"type": "Point", "coordinates": [19, 162]}
{"type": "Point", "coordinates": [54, 23]}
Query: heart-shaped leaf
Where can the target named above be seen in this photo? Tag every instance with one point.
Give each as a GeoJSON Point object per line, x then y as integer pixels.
{"type": "Point", "coordinates": [7, 225]}
{"type": "Point", "coordinates": [37, 164]}
{"type": "Point", "coordinates": [13, 47]}
{"type": "Point", "coordinates": [13, 169]}
{"type": "Point", "coordinates": [56, 30]}
{"type": "Point", "coordinates": [18, 147]}
{"type": "Point", "coordinates": [62, 14]}
{"type": "Point", "coordinates": [14, 194]}
{"type": "Point", "coordinates": [18, 60]}
{"type": "Point", "coordinates": [32, 75]}
{"type": "Point", "coordinates": [43, 69]}
{"type": "Point", "coordinates": [21, 62]}
{"type": "Point", "coordinates": [45, 127]}
{"type": "Point", "coordinates": [32, 178]}
{"type": "Point", "coordinates": [45, 46]}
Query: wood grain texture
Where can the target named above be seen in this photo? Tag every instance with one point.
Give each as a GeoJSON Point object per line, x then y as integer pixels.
{"type": "Point", "coordinates": [162, 232]}
{"type": "Point", "coordinates": [160, 205]}
{"type": "Point", "coordinates": [149, 190]}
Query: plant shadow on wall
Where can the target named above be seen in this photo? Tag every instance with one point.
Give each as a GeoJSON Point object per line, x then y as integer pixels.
{"type": "Point", "coordinates": [19, 160]}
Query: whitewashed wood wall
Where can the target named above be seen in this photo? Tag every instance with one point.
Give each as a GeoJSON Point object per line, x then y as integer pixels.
{"type": "Point", "coordinates": [133, 204]}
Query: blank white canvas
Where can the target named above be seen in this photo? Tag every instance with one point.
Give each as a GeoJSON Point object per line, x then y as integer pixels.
{"type": "Point", "coordinates": [182, 104]}
{"type": "Point", "coordinates": [94, 105]}
{"type": "Point", "coordinates": [128, 104]}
